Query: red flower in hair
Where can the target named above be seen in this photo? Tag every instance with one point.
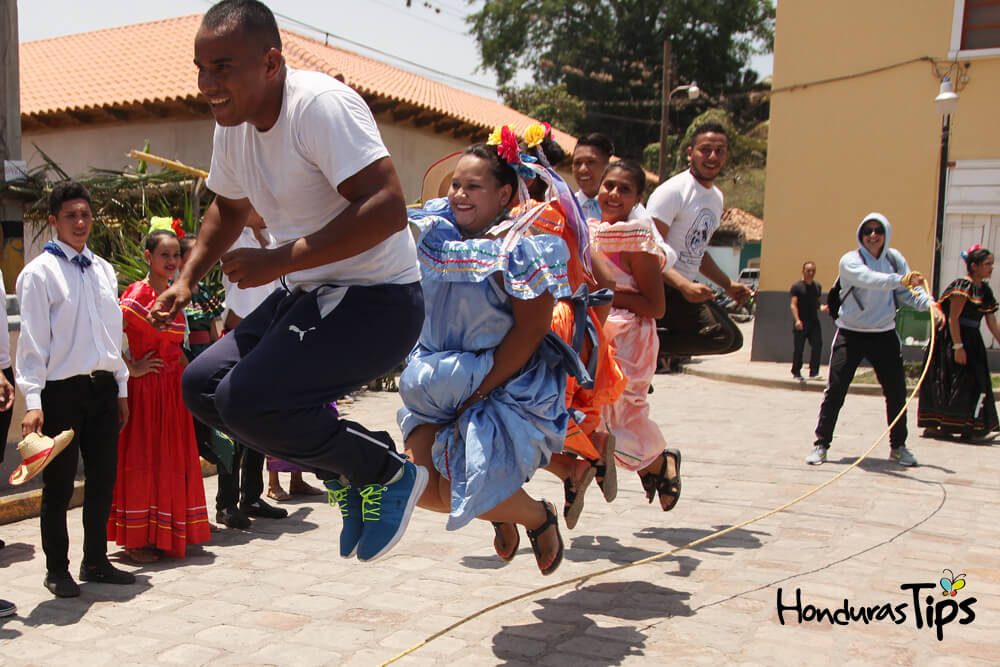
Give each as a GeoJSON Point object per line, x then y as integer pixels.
{"type": "Point", "coordinates": [176, 226]}
{"type": "Point", "coordinates": [507, 148]}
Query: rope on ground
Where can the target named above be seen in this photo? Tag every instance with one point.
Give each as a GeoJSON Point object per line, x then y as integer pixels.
{"type": "Point", "coordinates": [689, 545]}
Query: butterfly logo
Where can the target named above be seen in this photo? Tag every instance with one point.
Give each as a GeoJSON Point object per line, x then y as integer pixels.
{"type": "Point", "coordinates": [952, 584]}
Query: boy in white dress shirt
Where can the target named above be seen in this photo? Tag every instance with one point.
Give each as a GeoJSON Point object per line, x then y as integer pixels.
{"type": "Point", "coordinates": [69, 367]}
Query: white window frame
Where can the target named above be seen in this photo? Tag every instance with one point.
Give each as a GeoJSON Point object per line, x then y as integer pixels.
{"type": "Point", "coordinates": [956, 51]}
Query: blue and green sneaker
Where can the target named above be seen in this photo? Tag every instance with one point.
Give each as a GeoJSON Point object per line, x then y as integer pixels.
{"type": "Point", "coordinates": [348, 499]}
{"type": "Point", "coordinates": [386, 510]}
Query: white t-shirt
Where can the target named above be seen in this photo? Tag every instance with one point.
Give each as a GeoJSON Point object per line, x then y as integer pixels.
{"type": "Point", "coordinates": [244, 300]}
{"type": "Point", "coordinates": [324, 134]}
{"type": "Point", "coordinates": [693, 213]}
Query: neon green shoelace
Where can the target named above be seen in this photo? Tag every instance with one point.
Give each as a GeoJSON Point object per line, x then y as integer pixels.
{"type": "Point", "coordinates": [338, 497]}
{"type": "Point", "coordinates": [371, 502]}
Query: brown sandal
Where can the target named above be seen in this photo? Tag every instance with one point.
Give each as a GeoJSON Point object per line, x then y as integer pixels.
{"type": "Point", "coordinates": [607, 471]}
{"type": "Point", "coordinates": [550, 522]}
{"type": "Point", "coordinates": [574, 495]}
{"type": "Point", "coordinates": [659, 483]}
{"type": "Point", "coordinates": [505, 556]}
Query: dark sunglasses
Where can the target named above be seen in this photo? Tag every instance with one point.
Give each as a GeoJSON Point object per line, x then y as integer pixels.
{"type": "Point", "coordinates": [874, 229]}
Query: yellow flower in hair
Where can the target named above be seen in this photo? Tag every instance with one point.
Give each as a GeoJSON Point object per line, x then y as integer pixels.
{"type": "Point", "coordinates": [535, 134]}
{"type": "Point", "coordinates": [496, 135]}
{"type": "Point", "coordinates": [160, 222]}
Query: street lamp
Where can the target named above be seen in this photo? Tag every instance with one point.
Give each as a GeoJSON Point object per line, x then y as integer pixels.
{"type": "Point", "coordinates": [946, 103]}
{"type": "Point", "coordinates": [693, 92]}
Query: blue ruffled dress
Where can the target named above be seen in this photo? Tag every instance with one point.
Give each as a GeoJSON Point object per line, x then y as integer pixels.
{"type": "Point", "coordinates": [497, 444]}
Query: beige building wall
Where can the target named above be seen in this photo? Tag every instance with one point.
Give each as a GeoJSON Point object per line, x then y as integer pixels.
{"type": "Point", "coordinates": [78, 150]}
{"type": "Point", "coordinates": [855, 140]}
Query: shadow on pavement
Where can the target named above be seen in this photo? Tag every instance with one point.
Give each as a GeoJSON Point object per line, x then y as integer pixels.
{"type": "Point", "coordinates": [68, 611]}
{"type": "Point", "coordinates": [16, 552]}
{"type": "Point", "coordinates": [565, 623]}
{"type": "Point", "coordinates": [265, 529]}
{"type": "Point", "coordinates": [720, 546]}
{"type": "Point", "coordinates": [887, 467]}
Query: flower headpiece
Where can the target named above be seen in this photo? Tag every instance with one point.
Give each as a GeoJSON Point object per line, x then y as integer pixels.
{"type": "Point", "coordinates": [157, 223]}
{"type": "Point", "coordinates": [535, 134]}
{"type": "Point", "coordinates": [972, 249]}
{"type": "Point", "coordinates": [529, 167]}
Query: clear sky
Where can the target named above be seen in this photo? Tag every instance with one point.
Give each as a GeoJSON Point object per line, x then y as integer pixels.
{"type": "Point", "coordinates": [431, 35]}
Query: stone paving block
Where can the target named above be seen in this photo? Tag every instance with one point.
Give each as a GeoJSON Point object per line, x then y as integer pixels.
{"type": "Point", "coordinates": [343, 638]}
{"type": "Point", "coordinates": [28, 650]}
{"type": "Point", "coordinates": [510, 646]}
{"type": "Point", "coordinates": [300, 656]}
{"type": "Point", "coordinates": [214, 610]}
{"type": "Point", "coordinates": [233, 637]}
{"type": "Point", "coordinates": [276, 620]}
{"type": "Point", "coordinates": [188, 654]}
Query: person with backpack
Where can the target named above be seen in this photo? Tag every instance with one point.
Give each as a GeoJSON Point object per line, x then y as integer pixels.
{"type": "Point", "coordinates": [874, 281]}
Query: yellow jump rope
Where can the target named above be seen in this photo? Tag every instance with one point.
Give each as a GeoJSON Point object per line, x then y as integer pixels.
{"type": "Point", "coordinates": [907, 281]}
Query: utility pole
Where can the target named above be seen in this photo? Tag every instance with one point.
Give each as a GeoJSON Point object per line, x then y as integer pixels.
{"type": "Point", "coordinates": [664, 169]}
{"type": "Point", "coordinates": [11, 208]}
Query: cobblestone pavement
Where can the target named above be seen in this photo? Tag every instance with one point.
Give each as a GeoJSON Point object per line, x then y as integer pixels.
{"type": "Point", "coordinates": [280, 594]}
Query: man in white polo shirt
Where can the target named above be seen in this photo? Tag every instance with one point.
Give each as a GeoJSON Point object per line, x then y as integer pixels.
{"type": "Point", "coordinates": [303, 149]}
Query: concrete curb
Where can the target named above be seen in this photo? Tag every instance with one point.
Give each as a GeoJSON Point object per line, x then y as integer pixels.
{"type": "Point", "coordinates": [774, 383]}
{"type": "Point", "coordinates": [28, 504]}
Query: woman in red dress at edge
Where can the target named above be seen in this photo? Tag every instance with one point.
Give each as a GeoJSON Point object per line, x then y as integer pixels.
{"type": "Point", "coordinates": [159, 501]}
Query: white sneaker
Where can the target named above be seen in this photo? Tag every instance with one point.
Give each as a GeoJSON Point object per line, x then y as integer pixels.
{"type": "Point", "coordinates": [818, 377]}
{"type": "Point", "coordinates": [902, 456]}
{"type": "Point", "coordinates": [818, 456]}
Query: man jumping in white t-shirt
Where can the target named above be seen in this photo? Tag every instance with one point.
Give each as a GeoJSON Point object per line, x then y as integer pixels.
{"type": "Point", "coordinates": [687, 209]}
{"type": "Point", "coordinates": [304, 151]}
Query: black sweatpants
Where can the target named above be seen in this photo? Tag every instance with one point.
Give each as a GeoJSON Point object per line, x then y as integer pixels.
{"type": "Point", "coordinates": [89, 405]}
{"type": "Point", "coordinates": [268, 382]}
{"type": "Point", "coordinates": [883, 351]}
{"type": "Point", "coordinates": [695, 329]}
{"type": "Point", "coordinates": [812, 332]}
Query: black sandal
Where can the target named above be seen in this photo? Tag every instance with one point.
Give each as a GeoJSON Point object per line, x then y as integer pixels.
{"type": "Point", "coordinates": [607, 471]}
{"type": "Point", "coordinates": [550, 522]}
{"type": "Point", "coordinates": [499, 536]}
{"type": "Point", "coordinates": [658, 483]}
{"type": "Point", "coordinates": [574, 496]}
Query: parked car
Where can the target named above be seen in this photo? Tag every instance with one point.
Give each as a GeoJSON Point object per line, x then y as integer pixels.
{"type": "Point", "coordinates": [750, 278]}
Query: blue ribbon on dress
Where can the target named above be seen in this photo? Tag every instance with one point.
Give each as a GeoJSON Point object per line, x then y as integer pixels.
{"type": "Point", "coordinates": [584, 327]}
{"type": "Point", "coordinates": [81, 260]}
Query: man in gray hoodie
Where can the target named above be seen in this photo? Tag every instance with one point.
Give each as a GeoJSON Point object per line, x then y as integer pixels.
{"type": "Point", "coordinates": [874, 281]}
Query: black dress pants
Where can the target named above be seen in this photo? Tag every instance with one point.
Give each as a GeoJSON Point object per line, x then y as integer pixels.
{"type": "Point", "coordinates": [89, 405]}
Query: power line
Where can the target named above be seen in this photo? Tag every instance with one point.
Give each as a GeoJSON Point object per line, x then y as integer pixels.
{"type": "Point", "coordinates": [329, 34]}
{"type": "Point", "coordinates": [412, 15]}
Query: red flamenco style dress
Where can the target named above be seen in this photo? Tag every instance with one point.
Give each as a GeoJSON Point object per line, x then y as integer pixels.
{"type": "Point", "coordinates": [159, 496]}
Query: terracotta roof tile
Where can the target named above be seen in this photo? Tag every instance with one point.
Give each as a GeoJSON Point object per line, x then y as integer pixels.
{"type": "Point", "coordinates": [152, 63]}
{"type": "Point", "coordinates": [751, 226]}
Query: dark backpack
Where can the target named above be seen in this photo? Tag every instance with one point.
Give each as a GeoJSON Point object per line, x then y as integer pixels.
{"type": "Point", "coordinates": [834, 298]}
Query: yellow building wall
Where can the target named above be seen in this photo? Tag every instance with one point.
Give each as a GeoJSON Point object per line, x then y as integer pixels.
{"type": "Point", "coordinates": [861, 142]}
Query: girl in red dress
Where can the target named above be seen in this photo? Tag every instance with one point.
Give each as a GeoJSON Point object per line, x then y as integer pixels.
{"type": "Point", "coordinates": [159, 501]}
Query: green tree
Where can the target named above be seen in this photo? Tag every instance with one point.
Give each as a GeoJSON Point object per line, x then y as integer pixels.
{"type": "Point", "coordinates": [609, 53]}
{"type": "Point", "coordinates": [552, 104]}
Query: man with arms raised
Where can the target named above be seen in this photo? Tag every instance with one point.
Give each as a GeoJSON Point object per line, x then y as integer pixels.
{"type": "Point", "coordinates": [304, 151]}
